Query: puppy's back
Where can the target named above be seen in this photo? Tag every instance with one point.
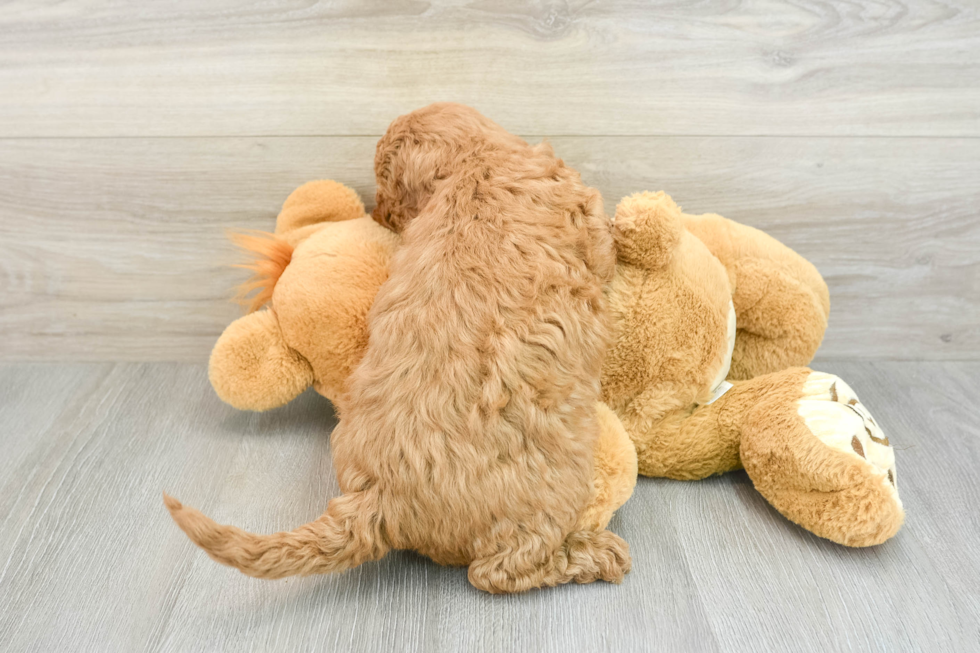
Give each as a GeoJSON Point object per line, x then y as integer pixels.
{"type": "Point", "coordinates": [476, 397]}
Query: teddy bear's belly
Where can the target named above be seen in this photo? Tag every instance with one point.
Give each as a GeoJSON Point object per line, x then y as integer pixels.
{"type": "Point", "coordinates": [718, 384]}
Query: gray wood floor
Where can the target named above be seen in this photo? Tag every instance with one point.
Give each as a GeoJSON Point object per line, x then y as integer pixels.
{"type": "Point", "coordinates": [91, 561]}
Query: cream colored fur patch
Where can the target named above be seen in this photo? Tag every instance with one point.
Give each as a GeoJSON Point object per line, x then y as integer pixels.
{"type": "Point", "coordinates": [716, 385]}
{"type": "Point", "coordinates": [835, 415]}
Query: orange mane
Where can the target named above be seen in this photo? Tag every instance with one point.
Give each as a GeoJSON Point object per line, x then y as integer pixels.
{"type": "Point", "coordinates": [272, 255]}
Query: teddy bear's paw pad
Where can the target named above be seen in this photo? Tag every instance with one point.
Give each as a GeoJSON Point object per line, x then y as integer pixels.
{"type": "Point", "coordinates": [834, 414]}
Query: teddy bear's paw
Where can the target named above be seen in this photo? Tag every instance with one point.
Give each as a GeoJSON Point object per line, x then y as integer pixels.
{"type": "Point", "coordinates": [834, 414]}
{"type": "Point", "coordinates": [815, 452]}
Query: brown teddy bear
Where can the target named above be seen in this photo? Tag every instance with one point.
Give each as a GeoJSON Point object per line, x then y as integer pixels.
{"type": "Point", "coordinates": [808, 444]}
{"type": "Point", "coordinates": [697, 301]}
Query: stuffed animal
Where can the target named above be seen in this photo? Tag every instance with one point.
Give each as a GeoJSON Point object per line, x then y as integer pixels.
{"type": "Point", "coordinates": [697, 302]}
{"type": "Point", "coordinates": [806, 441]}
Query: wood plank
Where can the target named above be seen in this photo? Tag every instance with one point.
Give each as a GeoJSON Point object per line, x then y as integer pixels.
{"type": "Point", "coordinates": [772, 67]}
{"type": "Point", "coordinates": [89, 559]}
{"type": "Point", "coordinates": [114, 249]}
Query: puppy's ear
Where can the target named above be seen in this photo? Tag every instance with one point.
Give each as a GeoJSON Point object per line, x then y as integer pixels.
{"type": "Point", "coordinates": [318, 201]}
{"type": "Point", "coordinates": [392, 196]}
{"type": "Point", "coordinates": [409, 162]}
{"type": "Point", "coordinates": [252, 367]}
{"type": "Point", "coordinates": [647, 229]}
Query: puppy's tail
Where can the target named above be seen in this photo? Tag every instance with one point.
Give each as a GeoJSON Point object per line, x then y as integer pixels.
{"type": "Point", "coordinates": [346, 535]}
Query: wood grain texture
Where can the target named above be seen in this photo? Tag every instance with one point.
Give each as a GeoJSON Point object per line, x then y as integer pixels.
{"type": "Point", "coordinates": [89, 559]}
{"type": "Point", "coordinates": [291, 67]}
{"type": "Point", "coordinates": [115, 249]}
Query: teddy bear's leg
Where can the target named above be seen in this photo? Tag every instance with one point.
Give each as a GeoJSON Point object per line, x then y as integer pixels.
{"type": "Point", "coordinates": [252, 367]}
{"type": "Point", "coordinates": [781, 321]}
{"type": "Point", "coordinates": [318, 201]}
{"type": "Point", "coordinates": [688, 444]}
{"type": "Point", "coordinates": [614, 471]}
{"type": "Point", "coordinates": [815, 452]}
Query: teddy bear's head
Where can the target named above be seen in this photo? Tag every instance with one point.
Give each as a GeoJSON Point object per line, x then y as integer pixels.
{"type": "Point", "coordinates": [673, 316]}
{"type": "Point", "coordinates": [316, 278]}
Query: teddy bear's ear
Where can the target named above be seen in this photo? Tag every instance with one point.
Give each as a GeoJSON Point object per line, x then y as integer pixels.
{"type": "Point", "coordinates": [647, 229]}
{"type": "Point", "coordinates": [318, 201]}
{"type": "Point", "coordinates": [252, 367]}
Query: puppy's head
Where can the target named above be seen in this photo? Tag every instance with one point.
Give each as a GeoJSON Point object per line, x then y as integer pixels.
{"type": "Point", "coordinates": [422, 148]}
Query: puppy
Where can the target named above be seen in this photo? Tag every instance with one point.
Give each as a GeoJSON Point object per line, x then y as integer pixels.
{"type": "Point", "coordinates": [468, 428]}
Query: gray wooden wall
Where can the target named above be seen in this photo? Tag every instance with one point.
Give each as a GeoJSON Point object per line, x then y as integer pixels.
{"type": "Point", "coordinates": [132, 135]}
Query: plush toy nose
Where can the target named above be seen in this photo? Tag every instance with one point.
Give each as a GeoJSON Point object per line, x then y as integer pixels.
{"type": "Point", "coordinates": [252, 367]}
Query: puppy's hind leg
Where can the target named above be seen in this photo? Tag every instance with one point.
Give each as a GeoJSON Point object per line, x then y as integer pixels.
{"type": "Point", "coordinates": [527, 563]}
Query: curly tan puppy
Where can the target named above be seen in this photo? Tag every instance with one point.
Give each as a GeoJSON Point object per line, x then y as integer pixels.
{"type": "Point", "coordinates": [468, 430]}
